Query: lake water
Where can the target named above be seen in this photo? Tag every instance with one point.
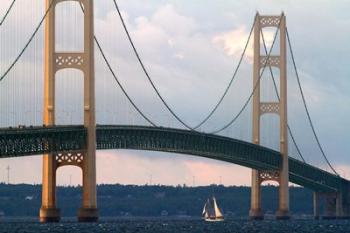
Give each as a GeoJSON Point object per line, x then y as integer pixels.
{"type": "Point", "coordinates": [169, 226]}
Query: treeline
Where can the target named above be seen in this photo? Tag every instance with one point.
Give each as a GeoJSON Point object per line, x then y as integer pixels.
{"type": "Point", "coordinates": [132, 200]}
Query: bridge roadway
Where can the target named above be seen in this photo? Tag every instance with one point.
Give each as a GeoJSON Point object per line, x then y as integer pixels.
{"type": "Point", "coordinates": [24, 141]}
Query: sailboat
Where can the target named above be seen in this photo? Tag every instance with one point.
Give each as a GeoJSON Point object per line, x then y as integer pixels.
{"type": "Point", "coordinates": [211, 211]}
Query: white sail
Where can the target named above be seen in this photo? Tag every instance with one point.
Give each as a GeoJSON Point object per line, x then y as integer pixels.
{"type": "Point", "coordinates": [206, 215]}
{"type": "Point", "coordinates": [211, 211]}
{"type": "Point", "coordinates": [217, 210]}
{"type": "Point", "coordinates": [204, 212]}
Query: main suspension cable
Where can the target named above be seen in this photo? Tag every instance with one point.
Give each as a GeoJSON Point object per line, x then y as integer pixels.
{"type": "Point", "coordinates": [28, 43]}
{"type": "Point", "coordinates": [278, 97]}
{"type": "Point", "coordinates": [117, 80]}
{"type": "Point", "coordinates": [7, 12]}
{"type": "Point", "coordinates": [306, 107]}
{"type": "Point", "coordinates": [120, 85]}
{"type": "Point", "coordinates": [254, 88]}
{"type": "Point", "coordinates": [146, 72]}
{"type": "Point", "coordinates": [231, 81]}
{"type": "Point", "coordinates": [158, 92]}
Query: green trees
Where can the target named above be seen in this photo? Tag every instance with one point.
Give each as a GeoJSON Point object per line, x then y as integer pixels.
{"type": "Point", "coordinates": [131, 200]}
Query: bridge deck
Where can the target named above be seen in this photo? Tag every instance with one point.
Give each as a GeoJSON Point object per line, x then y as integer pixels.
{"type": "Point", "coordinates": [15, 142]}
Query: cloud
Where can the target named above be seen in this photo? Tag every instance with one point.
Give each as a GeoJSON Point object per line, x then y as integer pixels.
{"type": "Point", "coordinates": [179, 56]}
{"type": "Point", "coordinates": [174, 23]}
{"type": "Point", "coordinates": [185, 61]}
{"type": "Point", "coordinates": [233, 42]}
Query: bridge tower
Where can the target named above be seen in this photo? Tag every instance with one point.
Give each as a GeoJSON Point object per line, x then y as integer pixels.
{"type": "Point", "coordinates": [280, 108]}
{"type": "Point", "coordinates": [86, 159]}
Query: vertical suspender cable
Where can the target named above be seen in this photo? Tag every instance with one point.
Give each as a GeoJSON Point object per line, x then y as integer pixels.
{"type": "Point", "coordinates": [121, 87]}
{"type": "Point", "coordinates": [27, 44]}
{"type": "Point", "coordinates": [146, 72]}
{"type": "Point", "coordinates": [254, 88]}
{"type": "Point", "coordinates": [117, 80]}
{"type": "Point", "coordinates": [306, 107]}
{"type": "Point", "coordinates": [278, 97]}
{"type": "Point", "coordinates": [157, 91]}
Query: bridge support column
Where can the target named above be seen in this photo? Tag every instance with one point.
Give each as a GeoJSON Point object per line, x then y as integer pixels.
{"type": "Point", "coordinates": [89, 211]}
{"type": "Point", "coordinates": [336, 206]}
{"type": "Point", "coordinates": [255, 212]}
{"type": "Point", "coordinates": [330, 208]}
{"type": "Point", "coordinates": [277, 107]}
{"type": "Point", "coordinates": [339, 211]}
{"type": "Point", "coordinates": [283, 207]}
{"type": "Point", "coordinates": [48, 210]}
{"type": "Point", "coordinates": [344, 205]}
{"type": "Point", "coordinates": [316, 205]}
{"type": "Point", "coordinates": [83, 61]}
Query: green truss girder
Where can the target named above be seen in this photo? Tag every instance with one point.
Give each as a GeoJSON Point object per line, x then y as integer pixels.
{"type": "Point", "coordinates": [16, 142]}
{"type": "Point", "coordinates": [37, 140]}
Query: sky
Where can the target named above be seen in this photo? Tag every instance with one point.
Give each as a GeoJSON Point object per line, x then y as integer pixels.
{"type": "Point", "coordinates": [190, 48]}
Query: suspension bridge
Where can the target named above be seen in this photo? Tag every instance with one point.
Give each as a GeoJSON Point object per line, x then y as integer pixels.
{"type": "Point", "coordinates": [75, 143]}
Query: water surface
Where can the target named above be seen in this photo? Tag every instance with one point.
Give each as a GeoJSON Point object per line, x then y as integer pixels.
{"type": "Point", "coordinates": [186, 225]}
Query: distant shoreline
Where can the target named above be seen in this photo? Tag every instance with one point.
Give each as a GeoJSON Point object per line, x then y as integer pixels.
{"type": "Point", "coordinates": [151, 201]}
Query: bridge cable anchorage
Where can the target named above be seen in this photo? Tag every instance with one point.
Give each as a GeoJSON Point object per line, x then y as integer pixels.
{"type": "Point", "coordinates": [278, 97]}
{"type": "Point", "coordinates": [306, 107]}
{"type": "Point", "coordinates": [157, 91]}
{"type": "Point", "coordinates": [28, 43]}
{"type": "Point", "coordinates": [7, 12]}
{"type": "Point", "coordinates": [254, 88]}
{"type": "Point", "coordinates": [116, 78]}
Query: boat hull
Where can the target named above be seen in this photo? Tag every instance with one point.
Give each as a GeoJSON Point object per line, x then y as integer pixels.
{"type": "Point", "coordinates": [214, 219]}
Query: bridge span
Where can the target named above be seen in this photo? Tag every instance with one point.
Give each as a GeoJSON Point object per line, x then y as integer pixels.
{"type": "Point", "coordinates": [65, 142]}
{"type": "Point", "coordinates": [58, 140]}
